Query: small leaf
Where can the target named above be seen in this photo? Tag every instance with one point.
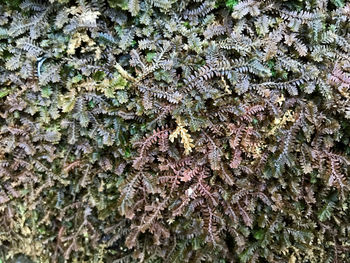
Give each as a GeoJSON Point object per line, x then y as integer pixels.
{"type": "Point", "coordinates": [231, 3]}
{"type": "Point", "coordinates": [326, 212]}
{"type": "Point", "coordinates": [46, 92]}
{"type": "Point", "coordinates": [77, 78]}
{"type": "Point", "coordinates": [259, 234]}
{"type": "Point", "coordinates": [68, 105]}
{"type": "Point", "coordinates": [122, 97]}
{"type": "Point", "coordinates": [3, 93]}
{"type": "Point", "coordinates": [338, 3]}
{"type": "Point", "coordinates": [150, 56]}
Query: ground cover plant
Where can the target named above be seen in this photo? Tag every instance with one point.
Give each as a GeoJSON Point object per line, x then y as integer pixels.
{"type": "Point", "coordinates": [174, 131]}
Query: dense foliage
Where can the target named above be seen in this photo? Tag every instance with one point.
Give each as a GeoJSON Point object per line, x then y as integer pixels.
{"type": "Point", "coordinates": [174, 131]}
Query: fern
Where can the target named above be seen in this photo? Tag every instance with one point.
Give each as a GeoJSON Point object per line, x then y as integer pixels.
{"type": "Point", "coordinates": [134, 7]}
{"type": "Point", "coordinates": [174, 131]}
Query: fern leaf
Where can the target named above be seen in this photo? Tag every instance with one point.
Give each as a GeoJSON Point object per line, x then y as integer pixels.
{"type": "Point", "coordinates": [134, 7]}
